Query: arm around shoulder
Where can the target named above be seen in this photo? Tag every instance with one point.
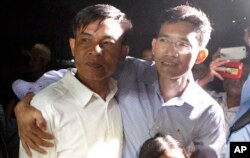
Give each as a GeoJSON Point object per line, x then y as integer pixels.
{"type": "Point", "coordinates": [31, 126]}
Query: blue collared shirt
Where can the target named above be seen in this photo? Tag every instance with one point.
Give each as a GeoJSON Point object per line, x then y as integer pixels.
{"type": "Point", "coordinates": [245, 94]}
{"type": "Point", "coordinates": [192, 117]}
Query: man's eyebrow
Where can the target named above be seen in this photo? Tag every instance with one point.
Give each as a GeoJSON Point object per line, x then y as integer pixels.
{"type": "Point", "coordinates": [85, 33]}
{"type": "Point", "coordinates": [163, 35]}
{"type": "Point", "coordinates": [104, 37]}
{"type": "Point", "coordinates": [180, 39]}
{"type": "Point", "coordinates": [109, 37]}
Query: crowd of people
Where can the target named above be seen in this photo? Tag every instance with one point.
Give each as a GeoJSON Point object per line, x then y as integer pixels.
{"type": "Point", "coordinates": [112, 105]}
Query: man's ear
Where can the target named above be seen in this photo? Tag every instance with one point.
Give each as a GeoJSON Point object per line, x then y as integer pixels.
{"type": "Point", "coordinates": [202, 55]}
{"type": "Point", "coordinates": [72, 45]}
{"type": "Point", "coordinates": [153, 46]}
{"type": "Point", "coordinates": [124, 52]}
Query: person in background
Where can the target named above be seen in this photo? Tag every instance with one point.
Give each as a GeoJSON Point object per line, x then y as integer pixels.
{"type": "Point", "coordinates": [247, 44]}
{"type": "Point", "coordinates": [147, 54]}
{"type": "Point", "coordinates": [230, 98]}
{"type": "Point", "coordinates": [38, 64]}
{"type": "Point", "coordinates": [80, 109]}
{"type": "Point", "coordinates": [162, 146]}
{"type": "Point", "coordinates": [157, 98]}
{"type": "Point", "coordinates": [40, 56]}
{"type": "Point", "coordinates": [247, 36]}
{"type": "Point", "coordinates": [242, 134]}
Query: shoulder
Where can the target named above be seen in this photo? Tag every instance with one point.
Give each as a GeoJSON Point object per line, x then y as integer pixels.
{"type": "Point", "coordinates": [49, 95]}
{"type": "Point", "coordinates": [205, 104]}
{"type": "Point", "coordinates": [134, 64]}
{"type": "Point", "coordinates": [131, 67]}
{"type": "Point", "coordinates": [242, 134]}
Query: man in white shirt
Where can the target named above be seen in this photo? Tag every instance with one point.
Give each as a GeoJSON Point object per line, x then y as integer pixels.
{"type": "Point", "coordinates": [80, 109]}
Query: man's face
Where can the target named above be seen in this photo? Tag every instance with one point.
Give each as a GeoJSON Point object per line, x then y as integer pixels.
{"type": "Point", "coordinates": [175, 49]}
{"type": "Point", "coordinates": [37, 64]}
{"type": "Point", "coordinates": [97, 49]}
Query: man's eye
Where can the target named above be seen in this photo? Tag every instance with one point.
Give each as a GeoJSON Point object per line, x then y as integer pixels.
{"type": "Point", "coordinates": [184, 44]}
{"type": "Point", "coordinates": [165, 40]}
{"type": "Point", "coordinates": [110, 43]}
{"type": "Point", "coordinates": [85, 40]}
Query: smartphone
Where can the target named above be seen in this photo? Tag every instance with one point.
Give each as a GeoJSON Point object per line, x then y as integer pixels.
{"type": "Point", "coordinates": [234, 53]}
{"type": "Point", "coordinates": [234, 70]}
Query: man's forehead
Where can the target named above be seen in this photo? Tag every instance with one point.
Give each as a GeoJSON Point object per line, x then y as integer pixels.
{"type": "Point", "coordinates": [107, 26]}
{"type": "Point", "coordinates": [177, 29]}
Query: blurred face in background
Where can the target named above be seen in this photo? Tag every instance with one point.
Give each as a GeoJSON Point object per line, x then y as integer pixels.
{"type": "Point", "coordinates": [233, 86]}
{"type": "Point", "coordinates": [147, 55]}
{"type": "Point", "coordinates": [37, 64]}
{"type": "Point", "coordinates": [247, 37]}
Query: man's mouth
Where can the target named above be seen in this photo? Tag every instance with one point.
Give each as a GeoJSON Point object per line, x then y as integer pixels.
{"type": "Point", "coordinates": [169, 63]}
{"type": "Point", "coordinates": [94, 65]}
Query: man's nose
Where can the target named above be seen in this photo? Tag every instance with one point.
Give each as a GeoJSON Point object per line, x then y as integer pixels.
{"type": "Point", "coordinates": [96, 50]}
{"type": "Point", "coordinates": [172, 49]}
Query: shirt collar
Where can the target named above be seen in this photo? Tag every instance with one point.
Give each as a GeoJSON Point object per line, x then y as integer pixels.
{"type": "Point", "coordinates": [83, 93]}
{"type": "Point", "coordinates": [150, 77]}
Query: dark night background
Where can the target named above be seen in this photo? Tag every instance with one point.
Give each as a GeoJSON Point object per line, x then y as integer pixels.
{"type": "Point", "coordinates": [26, 22]}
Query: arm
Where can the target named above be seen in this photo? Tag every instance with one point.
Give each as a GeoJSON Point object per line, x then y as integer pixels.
{"type": "Point", "coordinates": [31, 126]}
{"type": "Point", "coordinates": [211, 134]}
{"type": "Point", "coordinates": [214, 67]}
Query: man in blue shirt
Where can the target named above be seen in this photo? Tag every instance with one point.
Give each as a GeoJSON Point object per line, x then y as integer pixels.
{"type": "Point", "coordinates": [159, 98]}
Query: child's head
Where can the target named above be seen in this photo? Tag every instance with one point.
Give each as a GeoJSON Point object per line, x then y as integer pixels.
{"type": "Point", "coordinates": [162, 146]}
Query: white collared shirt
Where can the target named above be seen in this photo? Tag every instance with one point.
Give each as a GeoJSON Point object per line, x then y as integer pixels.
{"type": "Point", "coordinates": [84, 125]}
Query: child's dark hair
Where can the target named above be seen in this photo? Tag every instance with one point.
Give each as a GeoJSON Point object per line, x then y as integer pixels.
{"type": "Point", "coordinates": [156, 146]}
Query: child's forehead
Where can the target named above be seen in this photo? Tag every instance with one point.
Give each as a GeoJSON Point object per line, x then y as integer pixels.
{"type": "Point", "coordinates": [173, 153]}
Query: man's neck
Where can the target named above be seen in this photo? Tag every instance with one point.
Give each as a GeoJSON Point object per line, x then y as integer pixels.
{"type": "Point", "coordinates": [100, 87]}
{"type": "Point", "coordinates": [171, 88]}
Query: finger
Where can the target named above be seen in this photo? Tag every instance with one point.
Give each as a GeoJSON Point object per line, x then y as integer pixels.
{"type": "Point", "coordinates": [40, 121]}
{"type": "Point", "coordinates": [26, 148]}
{"type": "Point", "coordinates": [35, 146]}
{"type": "Point", "coordinates": [218, 76]}
{"type": "Point", "coordinates": [217, 62]}
{"type": "Point", "coordinates": [221, 63]}
{"type": "Point", "coordinates": [44, 135]}
{"type": "Point", "coordinates": [28, 97]}
{"type": "Point", "coordinates": [38, 136]}
{"type": "Point", "coordinates": [221, 69]}
{"type": "Point", "coordinates": [220, 60]}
